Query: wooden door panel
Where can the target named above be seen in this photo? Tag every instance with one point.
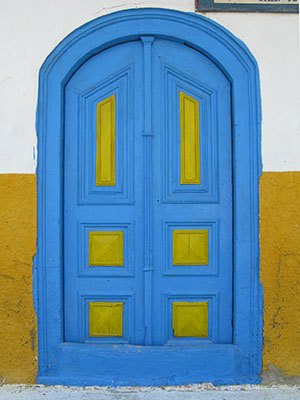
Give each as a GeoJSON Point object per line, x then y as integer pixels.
{"type": "Point", "coordinates": [197, 135]}
{"type": "Point", "coordinates": [103, 200]}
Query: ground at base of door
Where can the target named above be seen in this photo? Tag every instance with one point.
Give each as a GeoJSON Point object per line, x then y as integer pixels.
{"type": "Point", "coordinates": [191, 392]}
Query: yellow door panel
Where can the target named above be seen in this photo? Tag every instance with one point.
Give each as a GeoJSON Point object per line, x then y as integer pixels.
{"type": "Point", "coordinates": [106, 319]}
{"type": "Point", "coordinates": [106, 248]}
{"type": "Point", "coordinates": [190, 319]}
{"type": "Point", "coordinates": [190, 247]}
{"type": "Point", "coordinates": [105, 155]}
{"type": "Point", "coordinates": [190, 140]}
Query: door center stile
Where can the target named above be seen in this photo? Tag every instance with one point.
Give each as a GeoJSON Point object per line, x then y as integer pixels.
{"type": "Point", "coordinates": [148, 223]}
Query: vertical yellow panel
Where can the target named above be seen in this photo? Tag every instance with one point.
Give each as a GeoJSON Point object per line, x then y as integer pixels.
{"type": "Point", "coordinates": [105, 156]}
{"type": "Point", "coordinates": [190, 319]}
{"type": "Point", "coordinates": [105, 319]}
{"type": "Point", "coordinates": [189, 141]}
{"type": "Point", "coordinates": [190, 247]}
{"type": "Point", "coordinates": [106, 248]}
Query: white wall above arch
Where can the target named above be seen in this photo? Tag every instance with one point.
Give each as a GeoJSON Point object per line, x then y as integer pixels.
{"type": "Point", "coordinates": [30, 31]}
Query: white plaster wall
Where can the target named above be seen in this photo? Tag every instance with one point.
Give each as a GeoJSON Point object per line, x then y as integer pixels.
{"type": "Point", "coordinates": [29, 30]}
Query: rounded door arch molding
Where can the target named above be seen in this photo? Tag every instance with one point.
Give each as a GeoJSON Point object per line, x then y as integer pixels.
{"type": "Point", "coordinates": [242, 358]}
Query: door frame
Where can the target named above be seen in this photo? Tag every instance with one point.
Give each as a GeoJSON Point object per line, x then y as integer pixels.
{"type": "Point", "coordinates": [237, 63]}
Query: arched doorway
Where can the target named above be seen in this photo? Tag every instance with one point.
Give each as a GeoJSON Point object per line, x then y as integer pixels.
{"type": "Point", "coordinates": [148, 219]}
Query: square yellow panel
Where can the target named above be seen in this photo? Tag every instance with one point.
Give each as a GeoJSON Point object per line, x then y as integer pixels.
{"type": "Point", "coordinates": [190, 319]}
{"type": "Point", "coordinates": [106, 248]}
{"type": "Point", "coordinates": [106, 319]}
{"type": "Point", "coordinates": [190, 247]}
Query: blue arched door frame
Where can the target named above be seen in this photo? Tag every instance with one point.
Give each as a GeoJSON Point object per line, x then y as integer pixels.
{"type": "Point", "coordinates": [237, 63]}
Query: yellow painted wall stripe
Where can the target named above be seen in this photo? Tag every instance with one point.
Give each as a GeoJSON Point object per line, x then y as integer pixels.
{"type": "Point", "coordinates": [279, 206]}
{"type": "Point", "coordinates": [105, 156]}
{"type": "Point", "coordinates": [18, 329]}
{"type": "Point", "coordinates": [189, 140]}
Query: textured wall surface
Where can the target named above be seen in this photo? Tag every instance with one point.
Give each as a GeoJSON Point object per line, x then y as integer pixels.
{"type": "Point", "coordinates": [18, 333]}
{"type": "Point", "coordinates": [280, 269]}
{"type": "Point", "coordinates": [280, 274]}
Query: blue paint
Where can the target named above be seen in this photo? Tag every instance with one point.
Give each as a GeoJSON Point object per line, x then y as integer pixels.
{"type": "Point", "coordinates": [34, 283]}
{"type": "Point", "coordinates": [190, 361]}
{"type": "Point", "coordinates": [148, 190]}
{"type": "Point", "coordinates": [114, 71]}
{"type": "Point", "coordinates": [148, 320]}
{"type": "Point", "coordinates": [179, 68]}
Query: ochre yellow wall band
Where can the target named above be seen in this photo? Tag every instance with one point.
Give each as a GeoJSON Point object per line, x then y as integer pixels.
{"type": "Point", "coordinates": [279, 265]}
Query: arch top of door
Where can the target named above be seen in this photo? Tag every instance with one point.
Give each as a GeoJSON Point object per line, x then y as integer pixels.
{"type": "Point", "coordinates": [229, 53]}
{"type": "Point", "coordinates": [239, 66]}
{"type": "Point", "coordinates": [203, 34]}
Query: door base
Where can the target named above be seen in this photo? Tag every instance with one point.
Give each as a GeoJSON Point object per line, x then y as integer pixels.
{"type": "Point", "coordinates": [125, 365]}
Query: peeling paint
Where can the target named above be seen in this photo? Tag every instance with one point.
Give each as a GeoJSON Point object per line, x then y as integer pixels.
{"type": "Point", "coordinates": [280, 274]}
{"type": "Point", "coordinates": [33, 339]}
{"type": "Point", "coordinates": [17, 247]}
{"type": "Point", "coordinates": [274, 375]}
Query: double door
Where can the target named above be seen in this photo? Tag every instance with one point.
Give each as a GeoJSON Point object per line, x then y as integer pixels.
{"type": "Point", "coordinates": [148, 198]}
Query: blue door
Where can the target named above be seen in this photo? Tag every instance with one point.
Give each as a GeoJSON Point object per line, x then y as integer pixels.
{"type": "Point", "coordinates": [148, 199]}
